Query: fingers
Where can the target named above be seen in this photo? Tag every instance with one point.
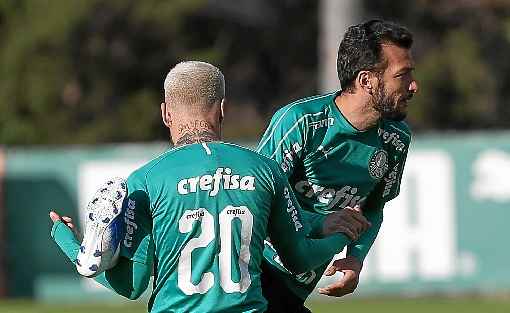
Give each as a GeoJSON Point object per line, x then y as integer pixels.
{"type": "Point", "coordinates": [350, 263]}
{"type": "Point", "coordinates": [348, 231]}
{"type": "Point", "coordinates": [358, 216]}
{"type": "Point", "coordinates": [343, 264]}
{"type": "Point", "coordinates": [67, 219]}
{"type": "Point", "coordinates": [348, 221]}
{"type": "Point", "coordinates": [69, 222]}
{"type": "Point", "coordinates": [332, 291]}
{"type": "Point", "coordinates": [54, 216]}
{"type": "Point", "coordinates": [357, 208]}
{"type": "Point", "coordinates": [331, 270]}
{"type": "Point", "coordinates": [335, 290]}
{"type": "Point", "coordinates": [356, 219]}
{"type": "Point", "coordinates": [346, 285]}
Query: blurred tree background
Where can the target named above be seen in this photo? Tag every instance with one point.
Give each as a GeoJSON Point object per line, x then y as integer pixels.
{"type": "Point", "coordinates": [91, 71]}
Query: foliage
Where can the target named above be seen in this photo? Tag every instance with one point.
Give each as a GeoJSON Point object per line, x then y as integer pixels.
{"type": "Point", "coordinates": [91, 71]}
{"type": "Point", "coordinates": [461, 50]}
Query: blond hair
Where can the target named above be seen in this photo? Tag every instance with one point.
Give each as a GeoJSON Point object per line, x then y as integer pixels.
{"type": "Point", "coordinates": [194, 86]}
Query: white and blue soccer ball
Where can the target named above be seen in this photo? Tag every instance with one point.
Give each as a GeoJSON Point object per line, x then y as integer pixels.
{"type": "Point", "coordinates": [104, 229]}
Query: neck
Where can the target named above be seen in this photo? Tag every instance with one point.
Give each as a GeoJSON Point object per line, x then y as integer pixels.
{"type": "Point", "coordinates": [357, 111]}
{"type": "Point", "coordinates": [194, 131]}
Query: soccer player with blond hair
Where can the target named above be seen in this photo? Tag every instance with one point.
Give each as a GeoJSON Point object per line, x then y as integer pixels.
{"type": "Point", "coordinates": [199, 213]}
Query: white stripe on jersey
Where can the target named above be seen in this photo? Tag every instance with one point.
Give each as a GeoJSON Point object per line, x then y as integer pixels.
{"type": "Point", "coordinates": [290, 129]}
{"type": "Point", "coordinates": [281, 117]}
{"type": "Point", "coordinates": [207, 150]}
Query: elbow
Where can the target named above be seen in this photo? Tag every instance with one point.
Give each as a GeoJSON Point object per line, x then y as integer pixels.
{"type": "Point", "coordinates": [129, 294]}
{"type": "Point", "coordinates": [138, 291]}
{"type": "Point", "coordinates": [134, 295]}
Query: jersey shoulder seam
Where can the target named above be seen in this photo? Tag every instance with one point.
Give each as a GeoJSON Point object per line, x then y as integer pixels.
{"type": "Point", "coordinates": [303, 117]}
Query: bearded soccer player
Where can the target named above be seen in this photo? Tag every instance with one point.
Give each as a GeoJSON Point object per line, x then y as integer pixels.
{"type": "Point", "coordinates": [200, 212]}
{"type": "Point", "coordinates": [344, 149]}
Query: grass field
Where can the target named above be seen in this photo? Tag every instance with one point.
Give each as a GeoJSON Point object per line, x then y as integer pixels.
{"type": "Point", "coordinates": [428, 305]}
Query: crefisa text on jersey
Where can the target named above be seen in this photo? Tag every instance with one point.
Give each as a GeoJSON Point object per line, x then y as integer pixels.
{"type": "Point", "coordinates": [223, 178]}
{"type": "Point", "coordinates": [392, 138]}
{"type": "Point", "coordinates": [129, 219]}
{"type": "Point", "coordinates": [291, 209]}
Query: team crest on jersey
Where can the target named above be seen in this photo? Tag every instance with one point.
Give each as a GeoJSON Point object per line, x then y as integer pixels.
{"type": "Point", "coordinates": [378, 164]}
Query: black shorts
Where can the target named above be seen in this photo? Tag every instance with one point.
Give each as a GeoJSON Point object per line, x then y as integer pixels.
{"type": "Point", "coordinates": [280, 299]}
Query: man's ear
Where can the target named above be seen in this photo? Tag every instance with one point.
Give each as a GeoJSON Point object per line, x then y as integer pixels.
{"type": "Point", "coordinates": [222, 110]}
{"type": "Point", "coordinates": [367, 81]}
{"type": "Point", "coordinates": [165, 115]}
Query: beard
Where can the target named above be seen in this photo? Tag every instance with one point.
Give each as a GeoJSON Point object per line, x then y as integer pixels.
{"type": "Point", "coordinates": [388, 105]}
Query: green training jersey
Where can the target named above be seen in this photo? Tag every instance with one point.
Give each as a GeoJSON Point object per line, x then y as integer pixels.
{"type": "Point", "coordinates": [200, 214]}
{"type": "Point", "coordinates": [331, 165]}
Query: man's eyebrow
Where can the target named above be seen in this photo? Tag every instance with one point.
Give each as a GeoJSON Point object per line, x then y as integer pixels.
{"type": "Point", "coordinates": [405, 69]}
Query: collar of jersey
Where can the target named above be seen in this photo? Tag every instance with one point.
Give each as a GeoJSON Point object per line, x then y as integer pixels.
{"type": "Point", "coordinates": [346, 126]}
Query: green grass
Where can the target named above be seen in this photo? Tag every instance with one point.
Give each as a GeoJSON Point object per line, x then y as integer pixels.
{"type": "Point", "coordinates": [33, 307]}
{"type": "Point", "coordinates": [427, 305]}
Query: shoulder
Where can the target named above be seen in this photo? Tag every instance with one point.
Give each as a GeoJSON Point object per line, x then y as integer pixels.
{"type": "Point", "coordinates": [254, 157]}
{"type": "Point", "coordinates": [246, 154]}
{"type": "Point", "coordinates": [303, 109]}
{"type": "Point", "coordinates": [395, 135]}
{"type": "Point", "coordinates": [400, 128]}
{"type": "Point", "coordinates": [143, 171]}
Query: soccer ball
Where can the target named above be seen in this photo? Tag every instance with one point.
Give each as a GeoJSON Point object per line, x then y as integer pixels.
{"type": "Point", "coordinates": [104, 229]}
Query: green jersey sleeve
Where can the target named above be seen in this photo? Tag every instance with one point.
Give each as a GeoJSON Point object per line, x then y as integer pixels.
{"type": "Point", "coordinates": [138, 244]}
{"type": "Point", "coordinates": [285, 139]}
{"type": "Point", "coordinates": [360, 248]}
{"type": "Point", "coordinates": [388, 189]}
{"type": "Point", "coordinates": [126, 278]}
{"type": "Point", "coordinates": [288, 235]}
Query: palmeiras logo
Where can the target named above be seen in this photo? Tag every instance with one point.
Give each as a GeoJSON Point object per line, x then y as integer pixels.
{"type": "Point", "coordinates": [378, 164]}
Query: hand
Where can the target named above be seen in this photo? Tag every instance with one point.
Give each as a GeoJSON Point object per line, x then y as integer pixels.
{"type": "Point", "coordinates": [349, 221]}
{"type": "Point", "coordinates": [55, 217]}
{"type": "Point", "coordinates": [351, 268]}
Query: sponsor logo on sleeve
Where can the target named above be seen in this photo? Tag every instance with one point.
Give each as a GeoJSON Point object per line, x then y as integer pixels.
{"type": "Point", "coordinates": [131, 227]}
{"type": "Point", "coordinates": [289, 155]}
{"type": "Point", "coordinates": [291, 209]}
{"type": "Point", "coordinates": [392, 138]}
{"type": "Point", "coordinates": [390, 180]}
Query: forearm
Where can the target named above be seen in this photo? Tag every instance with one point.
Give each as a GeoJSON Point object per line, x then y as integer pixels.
{"type": "Point", "coordinates": [314, 223]}
{"type": "Point", "coordinates": [361, 247]}
{"type": "Point", "coordinates": [305, 254]}
{"type": "Point", "coordinates": [66, 241]}
{"type": "Point", "coordinates": [127, 278]}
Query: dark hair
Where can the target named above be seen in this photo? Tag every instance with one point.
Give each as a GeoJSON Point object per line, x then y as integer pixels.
{"type": "Point", "coordinates": [360, 48]}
